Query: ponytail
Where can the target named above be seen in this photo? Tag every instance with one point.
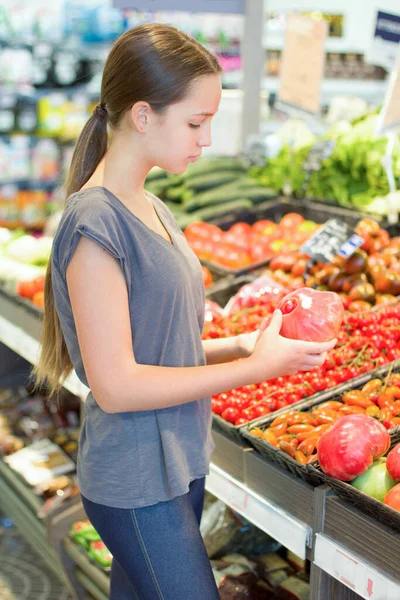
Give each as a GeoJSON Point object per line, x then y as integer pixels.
{"type": "Point", "coordinates": [54, 363]}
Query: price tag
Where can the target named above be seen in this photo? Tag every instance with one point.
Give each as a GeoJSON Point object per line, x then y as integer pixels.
{"type": "Point", "coordinates": [332, 239]}
{"type": "Point", "coordinates": [303, 63]}
{"type": "Point", "coordinates": [345, 568]}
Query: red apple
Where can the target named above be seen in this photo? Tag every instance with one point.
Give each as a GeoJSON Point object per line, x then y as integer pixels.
{"type": "Point", "coordinates": [311, 315]}
{"type": "Point", "coordinates": [392, 498]}
{"type": "Point", "coordinates": [393, 463]}
{"type": "Point", "coordinates": [351, 445]}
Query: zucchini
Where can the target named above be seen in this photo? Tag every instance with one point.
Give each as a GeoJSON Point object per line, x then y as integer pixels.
{"type": "Point", "coordinates": [211, 212]}
{"type": "Point", "coordinates": [260, 194]}
{"type": "Point", "coordinates": [230, 191]}
{"type": "Point", "coordinates": [212, 180]}
{"type": "Point", "coordinates": [175, 193]}
{"type": "Point", "coordinates": [210, 164]}
{"type": "Point", "coordinates": [157, 187]}
{"type": "Point", "coordinates": [156, 173]}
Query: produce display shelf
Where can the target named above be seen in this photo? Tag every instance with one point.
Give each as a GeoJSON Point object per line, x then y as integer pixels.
{"type": "Point", "coordinates": [24, 491]}
{"type": "Point", "coordinates": [269, 517]}
{"type": "Point", "coordinates": [370, 541]}
{"type": "Point", "coordinates": [25, 340]}
{"type": "Point", "coordinates": [353, 571]}
{"type": "Point", "coordinates": [81, 559]}
{"type": "Point", "coordinates": [89, 585]}
{"type": "Point", "coordinates": [31, 528]}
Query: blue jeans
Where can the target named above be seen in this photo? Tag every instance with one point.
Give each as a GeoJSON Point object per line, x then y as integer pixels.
{"type": "Point", "coordinates": [158, 552]}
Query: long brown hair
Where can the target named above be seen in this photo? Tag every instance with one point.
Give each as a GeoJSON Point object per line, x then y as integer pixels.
{"type": "Point", "coordinates": [153, 63]}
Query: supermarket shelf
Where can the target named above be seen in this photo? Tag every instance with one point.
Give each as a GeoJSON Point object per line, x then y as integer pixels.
{"type": "Point", "coordinates": [353, 571]}
{"type": "Point", "coordinates": [37, 184]}
{"type": "Point", "coordinates": [20, 328]}
{"type": "Point", "coordinates": [80, 558]}
{"type": "Point", "coordinates": [29, 525]}
{"type": "Point", "coordinates": [89, 585]}
{"type": "Point", "coordinates": [24, 491]}
{"type": "Point", "coordinates": [347, 526]}
{"type": "Point", "coordinates": [271, 518]}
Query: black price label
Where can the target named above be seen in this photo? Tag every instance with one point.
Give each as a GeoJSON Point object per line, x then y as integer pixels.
{"type": "Point", "coordinates": [318, 153]}
{"type": "Point", "coordinates": [335, 238]}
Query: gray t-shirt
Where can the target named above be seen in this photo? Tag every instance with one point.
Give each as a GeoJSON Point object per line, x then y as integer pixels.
{"type": "Point", "coordinates": [136, 459]}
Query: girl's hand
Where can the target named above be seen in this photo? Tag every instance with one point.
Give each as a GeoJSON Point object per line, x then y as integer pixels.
{"type": "Point", "coordinates": [275, 355]}
{"type": "Point", "coordinates": [248, 341]}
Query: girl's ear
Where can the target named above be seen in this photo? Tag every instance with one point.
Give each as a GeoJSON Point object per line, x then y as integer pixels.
{"type": "Point", "coordinates": [139, 115]}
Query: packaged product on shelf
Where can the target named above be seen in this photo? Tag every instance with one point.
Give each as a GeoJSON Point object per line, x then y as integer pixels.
{"type": "Point", "coordinates": [236, 578]}
{"type": "Point", "coordinates": [9, 443]}
{"type": "Point", "coordinates": [294, 588]}
{"type": "Point", "coordinates": [51, 113]}
{"type": "Point", "coordinates": [7, 114]}
{"type": "Point", "coordinates": [8, 203]}
{"type": "Point", "coordinates": [26, 119]}
{"type": "Point", "coordinates": [228, 532]}
{"type": "Point", "coordinates": [83, 532]}
{"type": "Point", "coordinates": [40, 461]}
{"type": "Point", "coordinates": [100, 553]}
{"type": "Point", "coordinates": [300, 564]}
{"type": "Point", "coordinates": [31, 206]}
{"type": "Point", "coordinates": [56, 492]}
{"type": "Point", "coordinates": [270, 562]}
{"type": "Point", "coordinates": [45, 160]}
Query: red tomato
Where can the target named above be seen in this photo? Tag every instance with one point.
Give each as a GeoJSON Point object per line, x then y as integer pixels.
{"type": "Point", "coordinates": [311, 315]}
{"type": "Point", "coordinates": [393, 463]}
{"type": "Point", "coordinates": [241, 421]}
{"type": "Point", "coordinates": [38, 299]}
{"type": "Point", "coordinates": [218, 406]}
{"type": "Point", "coordinates": [233, 259]}
{"type": "Point", "coordinates": [392, 498]}
{"type": "Point", "coordinates": [26, 289]}
{"type": "Point", "coordinates": [259, 227]}
{"type": "Point", "coordinates": [239, 242]}
{"type": "Point", "coordinates": [203, 230]}
{"type": "Point", "coordinates": [203, 248]}
{"type": "Point", "coordinates": [291, 221]}
{"type": "Point", "coordinates": [241, 229]}
{"type": "Point", "coordinates": [207, 277]}
{"type": "Point", "coordinates": [231, 414]}
{"type": "Point", "coordinates": [349, 448]}
{"type": "Point", "coordinates": [261, 410]}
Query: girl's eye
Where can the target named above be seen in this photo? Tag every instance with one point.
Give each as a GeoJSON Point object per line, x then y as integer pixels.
{"type": "Point", "coordinates": [193, 126]}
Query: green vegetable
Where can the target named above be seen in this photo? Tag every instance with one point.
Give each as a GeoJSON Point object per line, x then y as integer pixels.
{"type": "Point", "coordinates": [376, 482]}
{"type": "Point", "coordinates": [156, 173]}
{"type": "Point", "coordinates": [207, 165]}
{"type": "Point", "coordinates": [212, 180]}
{"type": "Point", "coordinates": [218, 210]}
{"type": "Point", "coordinates": [99, 552]}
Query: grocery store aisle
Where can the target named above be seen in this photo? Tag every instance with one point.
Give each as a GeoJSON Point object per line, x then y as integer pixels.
{"type": "Point", "coordinates": [22, 574]}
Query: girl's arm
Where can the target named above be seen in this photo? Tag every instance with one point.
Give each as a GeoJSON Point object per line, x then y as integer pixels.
{"type": "Point", "coordinates": [99, 300]}
{"type": "Point", "coordinates": [226, 349]}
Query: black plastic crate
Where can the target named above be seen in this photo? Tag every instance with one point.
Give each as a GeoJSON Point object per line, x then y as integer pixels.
{"type": "Point", "coordinates": [274, 210]}
{"type": "Point", "coordinates": [311, 473]}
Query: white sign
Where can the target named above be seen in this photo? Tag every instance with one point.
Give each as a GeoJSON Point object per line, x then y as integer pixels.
{"type": "Point", "coordinates": [389, 118]}
{"type": "Point", "coordinates": [352, 571]}
{"type": "Point", "coordinates": [384, 48]}
{"type": "Point", "coordinates": [302, 65]}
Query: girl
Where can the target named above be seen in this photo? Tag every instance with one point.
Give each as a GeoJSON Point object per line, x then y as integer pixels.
{"type": "Point", "coordinates": [125, 308]}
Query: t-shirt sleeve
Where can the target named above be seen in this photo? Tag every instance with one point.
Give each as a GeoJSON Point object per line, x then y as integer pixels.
{"type": "Point", "coordinates": [92, 218]}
